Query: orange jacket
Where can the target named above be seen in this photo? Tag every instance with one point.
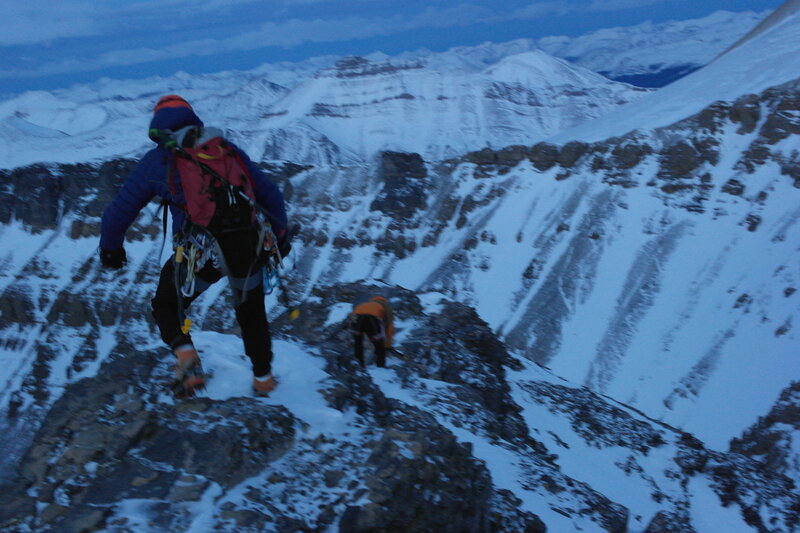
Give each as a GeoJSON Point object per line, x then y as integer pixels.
{"type": "Point", "coordinates": [379, 307]}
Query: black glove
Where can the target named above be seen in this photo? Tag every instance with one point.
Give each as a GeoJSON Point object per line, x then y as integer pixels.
{"type": "Point", "coordinates": [113, 258]}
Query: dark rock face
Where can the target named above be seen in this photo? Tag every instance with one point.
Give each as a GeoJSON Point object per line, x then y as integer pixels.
{"type": "Point", "coordinates": [679, 161]}
{"type": "Point", "coordinates": [281, 174]}
{"type": "Point", "coordinates": [598, 423]}
{"type": "Point", "coordinates": [454, 496]}
{"type": "Point", "coordinates": [101, 443]}
{"type": "Point", "coordinates": [38, 195]}
{"type": "Point", "coordinates": [782, 121]}
{"type": "Point", "coordinates": [746, 112]}
{"type": "Point", "coordinates": [16, 306]}
{"type": "Point", "coordinates": [670, 522]}
{"type": "Point", "coordinates": [357, 66]}
{"type": "Point", "coordinates": [571, 152]}
{"type": "Point", "coordinates": [734, 187]}
{"type": "Point", "coordinates": [511, 155]}
{"type": "Point", "coordinates": [36, 199]}
{"type": "Point", "coordinates": [777, 108]}
{"type": "Point", "coordinates": [487, 156]}
{"type": "Point", "coordinates": [627, 156]}
{"type": "Point", "coordinates": [460, 349]}
{"type": "Point", "coordinates": [404, 185]}
{"type": "Point", "coordinates": [544, 156]}
{"type": "Point", "coordinates": [735, 479]}
{"type": "Point", "coordinates": [769, 439]}
{"type": "Point", "coordinates": [399, 165]}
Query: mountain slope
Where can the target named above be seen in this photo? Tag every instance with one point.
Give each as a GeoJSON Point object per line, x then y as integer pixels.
{"type": "Point", "coordinates": [788, 8]}
{"type": "Point", "coordinates": [768, 59]}
{"type": "Point", "coordinates": [653, 55]}
{"type": "Point", "coordinates": [391, 102]}
{"type": "Point", "coordinates": [344, 114]}
{"type": "Point", "coordinates": [363, 107]}
{"type": "Point", "coordinates": [585, 256]}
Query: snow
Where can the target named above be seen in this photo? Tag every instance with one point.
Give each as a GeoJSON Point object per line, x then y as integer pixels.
{"type": "Point", "coordinates": [297, 369]}
{"type": "Point", "coordinates": [338, 312]}
{"type": "Point", "coordinates": [45, 111]}
{"type": "Point", "coordinates": [599, 467]}
{"type": "Point", "coordinates": [767, 60]}
{"type": "Point", "coordinates": [714, 517]}
{"type": "Point", "coordinates": [437, 109]}
{"type": "Point", "coordinates": [503, 463]}
{"type": "Point", "coordinates": [648, 47]}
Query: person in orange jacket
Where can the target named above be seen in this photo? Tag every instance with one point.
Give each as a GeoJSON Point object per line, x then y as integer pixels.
{"type": "Point", "coordinates": [374, 319]}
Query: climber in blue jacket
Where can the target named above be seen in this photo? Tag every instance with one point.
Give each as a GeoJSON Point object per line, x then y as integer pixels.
{"type": "Point", "coordinates": [150, 178]}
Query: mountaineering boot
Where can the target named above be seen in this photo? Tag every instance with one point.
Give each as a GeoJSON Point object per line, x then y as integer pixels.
{"type": "Point", "coordinates": [189, 376]}
{"type": "Point", "coordinates": [263, 385]}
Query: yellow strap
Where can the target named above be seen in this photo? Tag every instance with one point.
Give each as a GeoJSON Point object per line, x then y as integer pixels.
{"type": "Point", "coordinates": [187, 325]}
{"type": "Point", "coordinates": [179, 254]}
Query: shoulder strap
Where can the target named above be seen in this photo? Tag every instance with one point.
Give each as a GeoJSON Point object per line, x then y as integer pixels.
{"type": "Point", "coordinates": [173, 188]}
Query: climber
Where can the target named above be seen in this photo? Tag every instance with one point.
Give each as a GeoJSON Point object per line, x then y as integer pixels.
{"type": "Point", "coordinates": [374, 319]}
{"type": "Point", "coordinates": [223, 208]}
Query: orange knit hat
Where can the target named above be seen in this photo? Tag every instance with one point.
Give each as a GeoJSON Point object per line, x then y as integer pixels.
{"type": "Point", "coordinates": [171, 100]}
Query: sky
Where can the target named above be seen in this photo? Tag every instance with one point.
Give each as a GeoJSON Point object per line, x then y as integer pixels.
{"type": "Point", "coordinates": [49, 44]}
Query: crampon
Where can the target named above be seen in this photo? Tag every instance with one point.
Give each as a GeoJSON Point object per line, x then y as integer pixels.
{"type": "Point", "coordinates": [189, 381]}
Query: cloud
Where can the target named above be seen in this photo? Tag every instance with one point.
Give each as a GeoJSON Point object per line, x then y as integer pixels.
{"type": "Point", "coordinates": [615, 5]}
{"type": "Point", "coordinates": [460, 15]}
{"type": "Point", "coordinates": [112, 24]}
{"type": "Point", "coordinates": [40, 21]}
{"type": "Point", "coordinates": [32, 22]}
{"type": "Point", "coordinates": [543, 9]}
{"type": "Point", "coordinates": [286, 34]}
{"type": "Point", "coordinates": [546, 8]}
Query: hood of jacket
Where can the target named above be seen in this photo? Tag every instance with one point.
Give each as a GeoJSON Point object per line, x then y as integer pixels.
{"type": "Point", "coordinates": [173, 119]}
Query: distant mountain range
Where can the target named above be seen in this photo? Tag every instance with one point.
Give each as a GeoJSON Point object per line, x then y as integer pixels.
{"type": "Point", "coordinates": [439, 107]}
{"type": "Point", "coordinates": [646, 55]}
{"type": "Point", "coordinates": [653, 55]}
{"type": "Point", "coordinates": [334, 110]}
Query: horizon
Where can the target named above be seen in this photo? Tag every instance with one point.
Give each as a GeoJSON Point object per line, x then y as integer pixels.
{"type": "Point", "coordinates": [48, 45]}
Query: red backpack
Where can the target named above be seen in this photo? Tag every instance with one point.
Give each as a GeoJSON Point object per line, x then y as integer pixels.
{"type": "Point", "coordinates": [217, 187]}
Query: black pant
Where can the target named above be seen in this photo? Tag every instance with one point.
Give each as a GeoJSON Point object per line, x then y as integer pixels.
{"type": "Point", "coordinates": [250, 314]}
{"type": "Point", "coordinates": [371, 327]}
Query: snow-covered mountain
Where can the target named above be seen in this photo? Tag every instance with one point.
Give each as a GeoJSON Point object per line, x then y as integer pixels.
{"type": "Point", "coordinates": [653, 55]}
{"type": "Point", "coordinates": [346, 113]}
{"type": "Point", "coordinates": [363, 108]}
{"type": "Point", "coordinates": [491, 95]}
{"type": "Point", "coordinates": [761, 61]}
{"type": "Point", "coordinates": [646, 55]}
{"type": "Point", "coordinates": [599, 329]}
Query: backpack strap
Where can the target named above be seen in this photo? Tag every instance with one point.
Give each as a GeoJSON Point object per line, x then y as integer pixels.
{"type": "Point", "coordinates": [171, 185]}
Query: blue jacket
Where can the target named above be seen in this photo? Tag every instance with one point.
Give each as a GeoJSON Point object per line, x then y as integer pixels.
{"type": "Point", "coordinates": [149, 179]}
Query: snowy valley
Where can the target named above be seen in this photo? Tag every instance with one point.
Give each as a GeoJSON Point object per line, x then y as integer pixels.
{"type": "Point", "coordinates": [596, 288]}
